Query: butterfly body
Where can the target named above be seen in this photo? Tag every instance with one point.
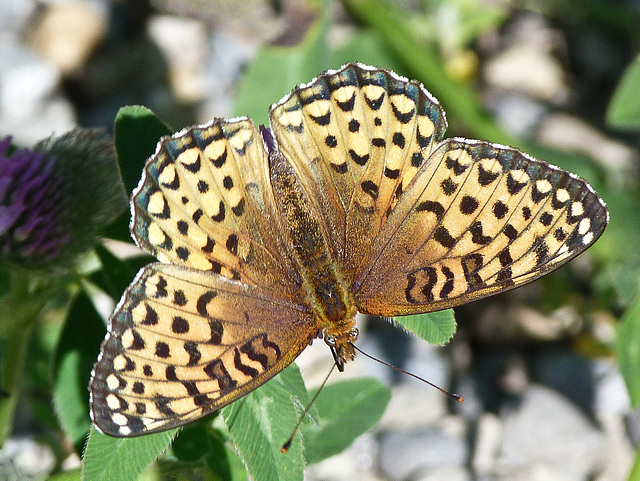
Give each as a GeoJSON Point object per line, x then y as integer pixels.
{"type": "Point", "coordinates": [325, 289]}
{"type": "Point", "coordinates": [350, 202]}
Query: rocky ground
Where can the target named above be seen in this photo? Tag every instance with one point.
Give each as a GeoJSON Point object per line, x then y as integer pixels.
{"type": "Point", "coordinates": [534, 409]}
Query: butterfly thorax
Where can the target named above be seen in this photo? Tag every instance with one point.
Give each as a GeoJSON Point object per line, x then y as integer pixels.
{"type": "Point", "coordinates": [325, 289]}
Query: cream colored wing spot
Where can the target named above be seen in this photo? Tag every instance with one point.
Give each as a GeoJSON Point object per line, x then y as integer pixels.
{"type": "Point", "coordinates": [583, 226]}
{"type": "Point", "coordinates": [563, 195]}
{"type": "Point", "coordinates": [577, 209]}
{"type": "Point", "coordinates": [120, 363]}
{"type": "Point", "coordinates": [112, 383]}
{"type": "Point", "coordinates": [374, 95]}
{"type": "Point", "coordinates": [158, 205]}
{"type": "Point", "coordinates": [292, 120]}
{"type": "Point", "coordinates": [344, 96]}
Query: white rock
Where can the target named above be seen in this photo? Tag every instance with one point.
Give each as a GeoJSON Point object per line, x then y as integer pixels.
{"type": "Point", "coordinates": [527, 69]}
{"type": "Point", "coordinates": [15, 15]}
{"type": "Point", "coordinates": [619, 453]}
{"type": "Point", "coordinates": [30, 105]}
{"type": "Point", "coordinates": [612, 397]}
{"type": "Point", "coordinates": [547, 432]}
{"type": "Point", "coordinates": [68, 32]}
{"type": "Point", "coordinates": [536, 472]}
{"type": "Point", "coordinates": [567, 132]}
{"type": "Point", "coordinates": [528, 65]}
{"type": "Point", "coordinates": [413, 404]}
{"type": "Point", "coordinates": [487, 444]}
{"type": "Point", "coordinates": [448, 473]}
{"type": "Point", "coordinates": [25, 458]}
{"type": "Point", "coordinates": [25, 83]}
{"type": "Point", "coordinates": [184, 43]}
{"type": "Point", "coordinates": [404, 454]}
{"type": "Point", "coordinates": [229, 55]}
{"type": "Point", "coordinates": [519, 114]}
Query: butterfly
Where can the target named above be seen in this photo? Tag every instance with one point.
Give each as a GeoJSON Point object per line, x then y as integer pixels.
{"type": "Point", "coordinates": [268, 238]}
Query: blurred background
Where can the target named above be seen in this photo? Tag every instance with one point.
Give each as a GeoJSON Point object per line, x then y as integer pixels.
{"type": "Point", "coordinates": [542, 368]}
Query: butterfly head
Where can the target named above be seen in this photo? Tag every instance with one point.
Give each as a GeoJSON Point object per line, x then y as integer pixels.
{"type": "Point", "coordinates": [341, 346]}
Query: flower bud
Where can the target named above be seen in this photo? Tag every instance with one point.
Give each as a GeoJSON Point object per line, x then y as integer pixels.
{"type": "Point", "coordinates": [55, 197]}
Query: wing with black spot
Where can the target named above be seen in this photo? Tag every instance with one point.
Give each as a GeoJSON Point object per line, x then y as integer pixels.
{"type": "Point", "coordinates": [205, 201]}
{"type": "Point", "coordinates": [478, 218]}
{"type": "Point", "coordinates": [355, 138]}
{"type": "Point", "coordinates": [182, 343]}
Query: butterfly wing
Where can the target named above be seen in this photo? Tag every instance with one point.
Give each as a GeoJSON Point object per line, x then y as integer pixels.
{"type": "Point", "coordinates": [184, 342]}
{"type": "Point", "coordinates": [355, 138]}
{"type": "Point", "coordinates": [205, 202]}
{"type": "Point", "coordinates": [215, 319]}
{"type": "Point", "coordinates": [478, 218]}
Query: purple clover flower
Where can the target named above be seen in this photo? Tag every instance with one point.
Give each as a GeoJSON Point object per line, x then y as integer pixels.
{"type": "Point", "coordinates": [30, 206]}
{"type": "Point", "coordinates": [47, 194]}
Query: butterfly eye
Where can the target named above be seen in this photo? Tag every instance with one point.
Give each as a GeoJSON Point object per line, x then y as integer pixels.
{"type": "Point", "coordinates": [353, 334]}
{"type": "Point", "coordinates": [330, 341]}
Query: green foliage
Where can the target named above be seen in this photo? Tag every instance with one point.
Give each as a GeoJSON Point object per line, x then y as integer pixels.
{"type": "Point", "coordinates": [435, 327]}
{"type": "Point", "coordinates": [624, 109]}
{"type": "Point", "coordinates": [121, 459]}
{"type": "Point", "coordinates": [137, 132]}
{"type": "Point", "coordinates": [628, 347]}
{"type": "Point", "coordinates": [76, 353]}
{"type": "Point", "coordinates": [346, 409]}
{"type": "Point", "coordinates": [260, 423]}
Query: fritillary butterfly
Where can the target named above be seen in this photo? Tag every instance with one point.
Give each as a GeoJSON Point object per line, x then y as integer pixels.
{"type": "Point", "coordinates": [269, 238]}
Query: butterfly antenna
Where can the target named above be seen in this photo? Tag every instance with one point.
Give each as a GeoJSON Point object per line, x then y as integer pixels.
{"type": "Point", "coordinates": [452, 395]}
{"type": "Point", "coordinates": [285, 447]}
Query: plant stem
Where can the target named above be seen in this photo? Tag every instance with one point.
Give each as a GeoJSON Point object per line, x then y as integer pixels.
{"type": "Point", "coordinates": [18, 312]}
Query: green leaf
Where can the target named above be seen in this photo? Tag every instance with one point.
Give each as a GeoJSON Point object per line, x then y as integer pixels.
{"type": "Point", "coordinates": [346, 409]}
{"type": "Point", "coordinates": [237, 470]}
{"type": "Point", "coordinates": [434, 327]}
{"type": "Point", "coordinates": [137, 132]}
{"type": "Point", "coordinates": [77, 351]}
{"type": "Point", "coordinates": [222, 461]}
{"type": "Point", "coordinates": [121, 459]}
{"type": "Point", "coordinates": [628, 347]}
{"type": "Point", "coordinates": [5, 283]}
{"type": "Point", "coordinates": [260, 423]}
{"type": "Point", "coordinates": [192, 442]}
{"type": "Point", "coordinates": [624, 109]}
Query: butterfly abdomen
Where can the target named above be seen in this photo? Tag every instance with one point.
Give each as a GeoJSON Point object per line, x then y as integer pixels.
{"type": "Point", "coordinates": [325, 289]}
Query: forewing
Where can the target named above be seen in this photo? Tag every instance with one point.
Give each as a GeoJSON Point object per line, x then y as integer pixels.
{"type": "Point", "coordinates": [182, 343]}
{"type": "Point", "coordinates": [205, 201]}
{"type": "Point", "coordinates": [479, 218]}
{"type": "Point", "coordinates": [356, 137]}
